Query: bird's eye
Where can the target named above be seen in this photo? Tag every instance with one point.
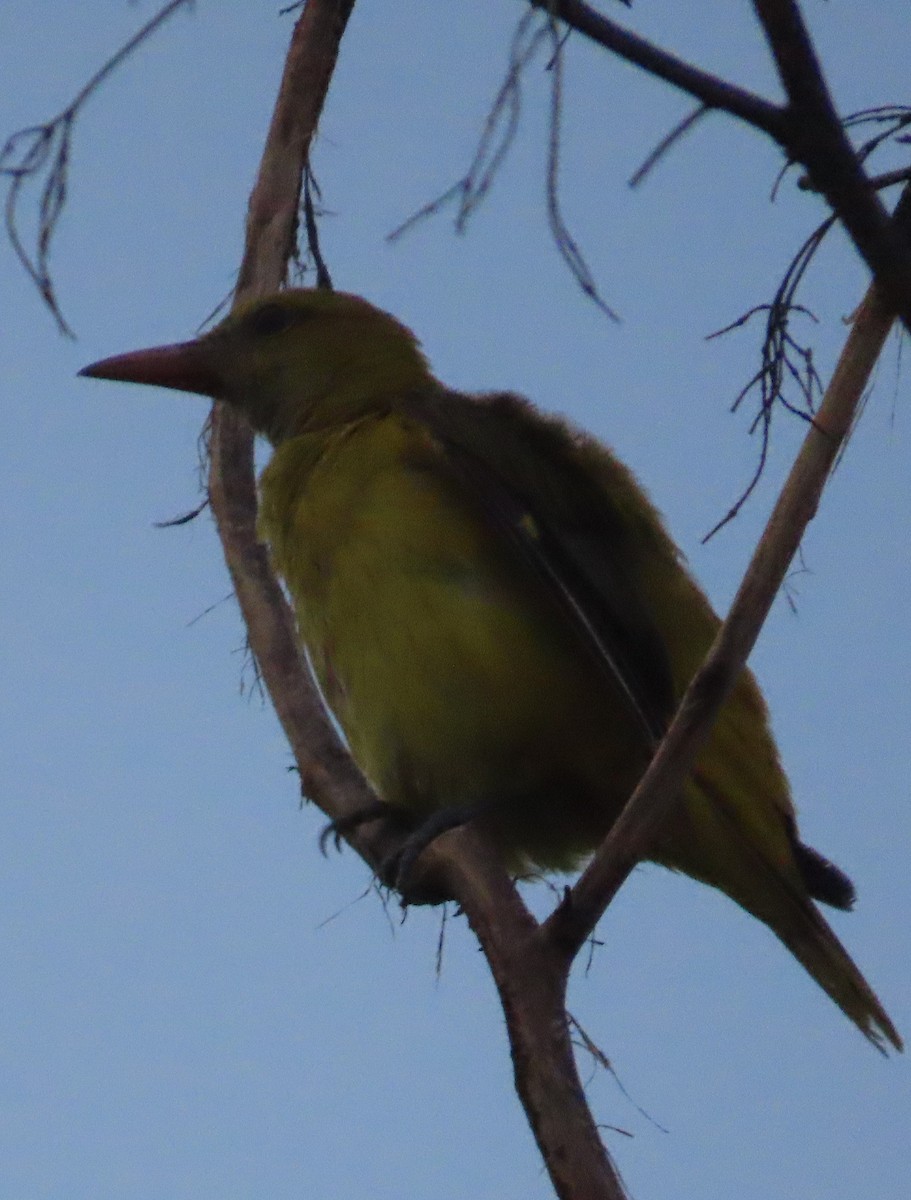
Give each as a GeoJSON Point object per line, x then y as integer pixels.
{"type": "Point", "coordinates": [271, 318]}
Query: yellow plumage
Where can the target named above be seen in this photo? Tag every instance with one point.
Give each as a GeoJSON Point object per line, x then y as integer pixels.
{"type": "Point", "coordinates": [496, 613]}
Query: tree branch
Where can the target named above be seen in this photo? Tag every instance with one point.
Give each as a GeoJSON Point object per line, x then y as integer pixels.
{"type": "Point", "coordinates": [808, 129]}
{"type": "Point", "coordinates": [711, 91]}
{"type": "Point", "coordinates": [325, 768]}
{"type": "Point", "coordinates": [530, 976]}
{"type": "Point", "coordinates": [815, 137]}
{"type": "Point", "coordinates": [661, 787]}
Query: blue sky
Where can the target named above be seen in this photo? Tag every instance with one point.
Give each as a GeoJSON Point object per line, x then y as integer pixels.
{"type": "Point", "coordinates": [180, 1015]}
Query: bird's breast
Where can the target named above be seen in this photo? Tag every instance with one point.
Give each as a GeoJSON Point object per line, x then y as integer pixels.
{"type": "Point", "coordinates": [446, 669]}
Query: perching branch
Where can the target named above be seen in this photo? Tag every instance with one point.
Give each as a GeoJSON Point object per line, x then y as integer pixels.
{"type": "Point", "coordinates": [530, 977]}
{"type": "Point", "coordinates": [326, 770]}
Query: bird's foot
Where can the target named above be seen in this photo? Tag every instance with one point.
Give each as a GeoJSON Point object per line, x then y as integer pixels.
{"type": "Point", "coordinates": [397, 869]}
{"type": "Point", "coordinates": [377, 810]}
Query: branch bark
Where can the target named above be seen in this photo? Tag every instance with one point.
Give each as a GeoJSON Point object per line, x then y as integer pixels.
{"type": "Point", "coordinates": [530, 976]}
{"type": "Point", "coordinates": [711, 91]}
{"type": "Point", "coordinates": [660, 788]}
{"type": "Point", "coordinates": [326, 769]}
{"type": "Point", "coordinates": [816, 138]}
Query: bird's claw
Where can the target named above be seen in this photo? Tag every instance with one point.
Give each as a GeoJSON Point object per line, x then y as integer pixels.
{"type": "Point", "coordinates": [397, 869]}
{"type": "Point", "coordinates": [342, 826]}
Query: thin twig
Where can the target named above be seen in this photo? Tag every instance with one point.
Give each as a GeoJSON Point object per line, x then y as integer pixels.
{"type": "Point", "coordinates": [778, 353]}
{"type": "Point", "coordinates": [565, 243]}
{"type": "Point", "coordinates": [184, 518]}
{"type": "Point", "coordinates": [497, 135]}
{"type": "Point", "coordinates": [323, 278]}
{"type": "Point", "coordinates": [680, 129]}
{"type": "Point", "coordinates": [28, 151]}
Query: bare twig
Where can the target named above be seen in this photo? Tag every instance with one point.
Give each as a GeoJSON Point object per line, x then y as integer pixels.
{"type": "Point", "coordinates": [323, 278]}
{"type": "Point", "coordinates": [680, 130]}
{"type": "Point", "coordinates": [784, 361]}
{"type": "Point", "coordinates": [497, 136]}
{"type": "Point", "coordinates": [45, 148]}
{"type": "Point", "coordinates": [600, 1059]}
{"type": "Point", "coordinates": [892, 119]}
{"type": "Point", "coordinates": [565, 243]}
{"type": "Point", "coordinates": [184, 518]}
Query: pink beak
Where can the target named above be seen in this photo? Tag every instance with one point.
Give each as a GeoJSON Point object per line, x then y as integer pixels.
{"type": "Point", "coordinates": [186, 366]}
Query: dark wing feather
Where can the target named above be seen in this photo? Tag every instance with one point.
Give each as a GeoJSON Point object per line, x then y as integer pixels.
{"type": "Point", "coordinates": [524, 473]}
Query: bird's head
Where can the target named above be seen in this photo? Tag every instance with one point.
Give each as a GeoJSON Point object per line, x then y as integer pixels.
{"type": "Point", "coordinates": [299, 360]}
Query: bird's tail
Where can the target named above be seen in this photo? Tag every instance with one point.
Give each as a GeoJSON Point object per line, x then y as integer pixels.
{"type": "Point", "coordinates": [732, 861]}
{"type": "Point", "coordinates": [807, 934]}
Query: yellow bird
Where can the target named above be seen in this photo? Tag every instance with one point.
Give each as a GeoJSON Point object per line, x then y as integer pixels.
{"type": "Point", "coordinates": [496, 614]}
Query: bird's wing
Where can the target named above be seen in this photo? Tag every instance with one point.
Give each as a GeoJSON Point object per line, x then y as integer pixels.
{"type": "Point", "coordinates": [523, 471]}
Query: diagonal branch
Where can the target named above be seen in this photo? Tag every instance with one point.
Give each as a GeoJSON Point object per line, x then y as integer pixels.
{"type": "Point", "coordinates": [711, 91]}
{"type": "Point", "coordinates": [661, 786]}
